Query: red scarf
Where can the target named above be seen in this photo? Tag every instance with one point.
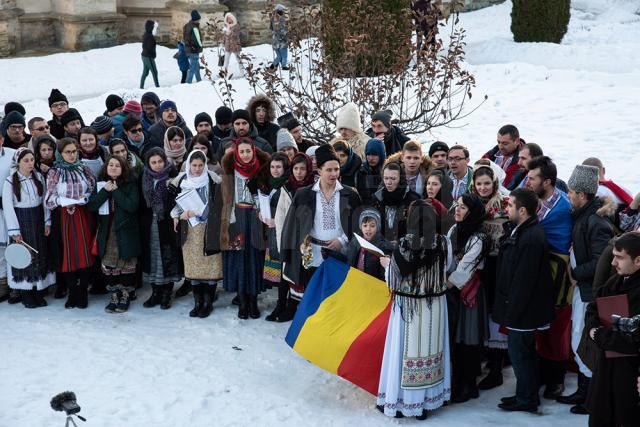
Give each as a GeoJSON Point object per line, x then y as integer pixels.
{"type": "Point", "coordinates": [248, 170]}
{"type": "Point", "coordinates": [618, 191]}
{"type": "Point", "coordinates": [293, 183]}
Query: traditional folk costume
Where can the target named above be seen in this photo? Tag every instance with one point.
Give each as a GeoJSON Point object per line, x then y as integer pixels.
{"type": "Point", "coordinates": [201, 242]}
{"type": "Point", "coordinates": [242, 233]}
{"type": "Point", "coordinates": [416, 371]}
{"type": "Point", "coordinates": [72, 183]}
{"type": "Point", "coordinates": [6, 158]}
{"type": "Point", "coordinates": [25, 215]}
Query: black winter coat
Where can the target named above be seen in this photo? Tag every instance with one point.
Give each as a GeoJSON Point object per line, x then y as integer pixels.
{"type": "Point", "coordinates": [613, 395]}
{"type": "Point", "coordinates": [157, 131]}
{"type": "Point", "coordinates": [148, 40]}
{"type": "Point", "coordinates": [299, 221]}
{"type": "Point", "coordinates": [371, 262]}
{"type": "Point", "coordinates": [394, 139]}
{"type": "Point", "coordinates": [591, 234]}
{"type": "Point", "coordinates": [56, 129]}
{"type": "Point", "coordinates": [367, 182]}
{"type": "Point", "coordinates": [524, 288]}
{"type": "Point", "coordinates": [348, 177]}
{"type": "Point", "coordinates": [260, 142]}
{"type": "Point", "coordinates": [398, 228]}
{"type": "Point", "coordinates": [269, 132]}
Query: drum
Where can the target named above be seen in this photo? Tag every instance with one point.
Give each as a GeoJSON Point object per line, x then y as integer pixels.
{"type": "Point", "coordinates": [17, 256]}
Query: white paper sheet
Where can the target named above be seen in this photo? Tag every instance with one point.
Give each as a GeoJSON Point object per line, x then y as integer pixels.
{"type": "Point", "coordinates": [368, 246]}
{"type": "Point", "coordinates": [191, 201]}
{"type": "Point", "coordinates": [65, 201]}
{"type": "Point", "coordinates": [265, 206]}
{"type": "Point", "coordinates": [104, 208]}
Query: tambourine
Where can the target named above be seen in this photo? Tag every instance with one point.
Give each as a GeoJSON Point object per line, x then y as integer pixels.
{"type": "Point", "coordinates": [18, 255]}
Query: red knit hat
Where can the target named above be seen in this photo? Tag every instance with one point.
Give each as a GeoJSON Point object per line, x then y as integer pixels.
{"type": "Point", "coordinates": [133, 107]}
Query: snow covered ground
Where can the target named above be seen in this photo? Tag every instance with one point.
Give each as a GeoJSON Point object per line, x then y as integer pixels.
{"type": "Point", "coordinates": [161, 368]}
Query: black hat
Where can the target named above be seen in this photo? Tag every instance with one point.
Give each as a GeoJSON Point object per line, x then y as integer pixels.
{"type": "Point", "coordinates": [224, 115]}
{"type": "Point", "coordinates": [102, 125]}
{"type": "Point", "coordinates": [241, 114]}
{"type": "Point", "coordinates": [14, 106]}
{"type": "Point", "coordinates": [288, 121]}
{"type": "Point", "coordinates": [14, 118]}
{"type": "Point", "coordinates": [438, 146]}
{"type": "Point", "coordinates": [384, 116]}
{"type": "Point", "coordinates": [56, 96]}
{"type": "Point", "coordinates": [325, 153]}
{"type": "Point", "coordinates": [195, 16]}
{"type": "Point", "coordinates": [70, 115]}
{"type": "Point", "coordinates": [151, 97]}
{"type": "Point", "coordinates": [113, 102]}
{"type": "Point", "coordinates": [202, 117]}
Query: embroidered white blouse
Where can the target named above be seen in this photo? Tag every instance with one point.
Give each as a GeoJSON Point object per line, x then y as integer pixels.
{"type": "Point", "coordinates": [29, 198]}
{"type": "Point", "coordinates": [326, 223]}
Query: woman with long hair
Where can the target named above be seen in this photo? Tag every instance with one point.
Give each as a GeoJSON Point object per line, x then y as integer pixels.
{"type": "Point", "coordinates": [486, 185]}
{"type": "Point", "coordinates": [92, 154]}
{"type": "Point", "coordinates": [175, 146]}
{"type": "Point", "coordinates": [44, 150]}
{"type": "Point", "coordinates": [242, 237]}
{"type": "Point", "coordinates": [199, 231]}
{"type": "Point", "coordinates": [28, 221]}
{"type": "Point", "coordinates": [466, 296]}
{"type": "Point", "coordinates": [301, 175]}
{"type": "Point", "coordinates": [69, 185]}
{"type": "Point", "coordinates": [161, 261]}
{"type": "Point", "coordinates": [118, 234]}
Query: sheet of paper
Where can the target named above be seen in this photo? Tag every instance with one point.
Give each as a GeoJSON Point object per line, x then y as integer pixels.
{"type": "Point", "coordinates": [104, 208]}
{"type": "Point", "coordinates": [368, 246]}
{"type": "Point", "coordinates": [65, 201]}
{"type": "Point", "coordinates": [191, 201]}
{"type": "Point", "coordinates": [265, 206]}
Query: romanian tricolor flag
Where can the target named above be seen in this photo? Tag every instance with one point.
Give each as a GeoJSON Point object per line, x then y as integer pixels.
{"type": "Point", "coordinates": [341, 323]}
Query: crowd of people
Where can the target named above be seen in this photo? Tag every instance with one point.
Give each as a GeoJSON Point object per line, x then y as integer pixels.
{"type": "Point", "coordinates": [497, 259]}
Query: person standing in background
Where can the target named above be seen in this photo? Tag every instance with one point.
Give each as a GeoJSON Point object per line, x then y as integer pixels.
{"type": "Point", "coordinates": [149, 53]}
{"type": "Point", "coordinates": [280, 32]}
{"type": "Point", "coordinates": [231, 41]}
{"type": "Point", "coordinates": [193, 45]}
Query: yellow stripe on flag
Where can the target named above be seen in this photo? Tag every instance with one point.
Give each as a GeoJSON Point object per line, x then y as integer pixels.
{"type": "Point", "coordinates": [341, 318]}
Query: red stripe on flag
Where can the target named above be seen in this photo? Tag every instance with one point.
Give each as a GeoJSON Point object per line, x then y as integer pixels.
{"type": "Point", "coordinates": [363, 361]}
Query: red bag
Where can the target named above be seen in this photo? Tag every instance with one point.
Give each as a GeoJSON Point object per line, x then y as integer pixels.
{"type": "Point", "coordinates": [469, 293]}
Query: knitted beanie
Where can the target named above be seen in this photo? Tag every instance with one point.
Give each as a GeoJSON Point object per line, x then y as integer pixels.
{"type": "Point", "coordinates": [285, 139]}
{"type": "Point", "coordinates": [438, 146]}
{"type": "Point", "coordinates": [113, 102]}
{"type": "Point", "coordinates": [56, 96]}
{"type": "Point", "coordinates": [102, 125]}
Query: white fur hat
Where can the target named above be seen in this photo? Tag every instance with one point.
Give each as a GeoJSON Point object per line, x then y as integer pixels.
{"type": "Point", "coordinates": [348, 117]}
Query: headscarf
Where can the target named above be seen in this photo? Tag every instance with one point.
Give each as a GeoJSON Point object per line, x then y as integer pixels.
{"type": "Point", "coordinates": [61, 163]}
{"type": "Point", "coordinates": [347, 165]}
{"type": "Point", "coordinates": [192, 182]}
{"type": "Point", "coordinates": [293, 184]}
{"type": "Point", "coordinates": [155, 195]}
{"type": "Point", "coordinates": [175, 156]}
{"type": "Point", "coordinates": [248, 170]}
{"type": "Point", "coordinates": [17, 155]}
{"type": "Point", "coordinates": [469, 226]}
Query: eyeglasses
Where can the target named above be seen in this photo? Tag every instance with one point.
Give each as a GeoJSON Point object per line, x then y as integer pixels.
{"type": "Point", "coordinates": [42, 128]}
{"type": "Point", "coordinates": [70, 152]}
{"type": "Point", "coordinates": [16, 127]}
{"type": "Point", "coordinates": [136, 130]}
{"type": "Point", "coordinates": [456, 159]}
{"type": "Point", "coordinates": [60, 104]}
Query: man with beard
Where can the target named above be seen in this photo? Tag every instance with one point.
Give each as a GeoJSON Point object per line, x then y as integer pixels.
{"type": "Point", "coordinates": [554, 215]}
{"type": "Point", "coordinates": [243, 127]}
{"type": "Point", "coordinates": [169, 117]}
{"type": "Point", "coordinates": [263, 111]}
{"type": "Point", "coordinates": [382, 129]}
{"type": "Point", "coordinates": [505, 154]}
{"type": "Point", "coordinates": [150, 103]}
{"type": "Point", "coordinates": [71, 123]}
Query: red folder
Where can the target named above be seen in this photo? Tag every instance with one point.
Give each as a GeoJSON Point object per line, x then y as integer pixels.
{"type": "Point", "coordinates": [617, 304]}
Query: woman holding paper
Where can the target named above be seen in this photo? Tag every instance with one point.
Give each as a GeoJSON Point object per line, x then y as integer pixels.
{"type": "Point", "coordinates": [196, 219]}
{"type": "Point", "coordinates": [115, 199]}
{"type": "Point", "coordinates": [161, 260]}
{"type": "Point", "coordinates": [69, 184]}
{"type": "Point", "coordinates": [246, 169]}
{"type": "Point", "coordinates": [28, 221]}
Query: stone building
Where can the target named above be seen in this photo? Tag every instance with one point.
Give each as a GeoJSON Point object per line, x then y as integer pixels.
{"type": "Point", "coordinates": [46, 25]}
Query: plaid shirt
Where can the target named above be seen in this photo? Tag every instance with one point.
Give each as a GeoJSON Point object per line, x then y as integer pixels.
{"type": "Point", "coordinates": [548, 204]}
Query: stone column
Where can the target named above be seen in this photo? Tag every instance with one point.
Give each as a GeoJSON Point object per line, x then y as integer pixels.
{"type": "Point", "coordinates": [9, 27]}
{"type": "Point", "coordinates": [85, 24]}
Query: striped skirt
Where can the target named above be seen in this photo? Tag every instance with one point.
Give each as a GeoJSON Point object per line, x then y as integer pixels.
{"type": "Point", "coordinates": [76, 232]}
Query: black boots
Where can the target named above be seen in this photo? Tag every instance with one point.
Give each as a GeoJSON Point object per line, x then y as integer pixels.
{"type": "Point", "coordinates": [254, 313]}
{"type": "Point", "coordinates": [165, 297]}
{"type": "Point", "coordinates": [29, 298]}
{"type": "Point", "coordinates": [243, 306]}
{"type": "Point", "coordinates": [281, 305]}
{"type": "Point", "coordinates": [288, 312]}
{"type": "Point", "coordinates": [184, 289]}
{"type": "Point", "coordinates": [198, 299]}
{"type": "Point", "coordinates": [579, 397]}
{"type": "Point", "coordinates": [494, 377]}
{"type": "Point", "coordinates": [156, 296]}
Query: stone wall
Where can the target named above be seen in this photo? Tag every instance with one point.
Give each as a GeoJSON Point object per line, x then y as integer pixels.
{"type": "Point", "coordinates": [85, 24]}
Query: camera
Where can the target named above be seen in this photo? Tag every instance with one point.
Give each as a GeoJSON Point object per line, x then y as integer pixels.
{"type": "Point", "coordinates": [65, 401]}
{"type": "Point", "coordinates": [628, 325]}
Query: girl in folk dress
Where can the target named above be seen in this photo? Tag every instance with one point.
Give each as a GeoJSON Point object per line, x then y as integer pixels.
{"type": "Point", "coordinates": [301, 176]}
{"type": "Point", "coordinates": [486, 184]}
{"type": "Point", "coordinates": [415, 376]}
{"type": "Point", "coordinates": [92, 154]}
{"type": "Point", "coordinates": [231, 41]}
{"type": "Point", "coordinates": [44, 150]}
{"type": "Point", "coordinates": [118, 233]}
{"type": "Point", "coordinates": [278, 174]}
{"type": "Point", "coordinates": [200, 242]}
{"type": "Point", "coordinates": [28, 221]}
{"type": "Point", "coordinates": [161, 259]}
{"type": "Point", "coordinates": [466, 296]}
{"type": "Point", "coordinates": [242, 236]}
{"type": "Point", "coordinates": [69, 184]}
